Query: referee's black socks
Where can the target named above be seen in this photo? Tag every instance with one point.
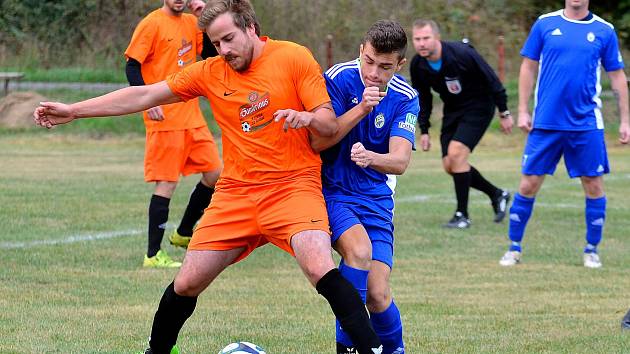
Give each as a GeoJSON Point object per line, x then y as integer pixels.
{"type": "Point", "coordinates": [349, 309]}
{"type": "Point", "coordinates": [478, 182]}
{"type": "Point", "coordinates": [462, 189]}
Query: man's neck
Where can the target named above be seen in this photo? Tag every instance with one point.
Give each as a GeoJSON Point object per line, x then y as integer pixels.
{"type": "Point", "coordinates": [576, 13]}
{"type": "Point", "coordinates": [259, 46]}
{"type": "Point", "coordinates": [437, 55]}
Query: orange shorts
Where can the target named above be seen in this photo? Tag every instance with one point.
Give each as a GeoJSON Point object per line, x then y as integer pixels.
{"type": "Point", "coordinates": [251, 216]}
{"type": "Point", "coordinates": [169, 154]}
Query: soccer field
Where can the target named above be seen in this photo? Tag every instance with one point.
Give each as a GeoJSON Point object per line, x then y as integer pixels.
{"type": "Point", "coordinates": [73, 214]}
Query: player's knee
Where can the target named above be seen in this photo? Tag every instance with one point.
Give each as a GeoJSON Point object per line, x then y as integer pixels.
{"type": "Point", "coordinates": [378, 299]}
{"type": "Point", "coordinates": [186, 286]}
{"type": "Point", "coordinates": [358, 257]}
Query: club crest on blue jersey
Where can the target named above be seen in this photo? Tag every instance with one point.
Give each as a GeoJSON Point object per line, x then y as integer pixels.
{"type": "Point", "coordinates": [590, 37]}
{"type": "Point", "coordinates": [379, 121]}
{"type": "Point", "coordinates": [453, 85]}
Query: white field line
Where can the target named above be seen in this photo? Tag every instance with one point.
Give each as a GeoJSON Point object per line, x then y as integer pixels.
{"type": "Point", "coordinates": [71, 239]}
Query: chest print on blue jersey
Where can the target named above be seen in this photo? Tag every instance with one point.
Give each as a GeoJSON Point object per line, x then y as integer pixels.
{"type": "Point", "coordinates": [355, 100]}
{"type": "Point", "coordinates": [379, 121]}
{"type": "Point", "coordinates": [590, 37]}
{"type": "Point", "coordinates": [453, 85]}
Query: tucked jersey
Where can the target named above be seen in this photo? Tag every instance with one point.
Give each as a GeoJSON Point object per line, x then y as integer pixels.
{"type": "Point", "coordinates": [395, 115]}
{"type": "Point", "coordinates": [570, 55]}
{"type": "Point", "coordinates": [164, 45]}
{"type": "Point", "coordinates": [256, 149]}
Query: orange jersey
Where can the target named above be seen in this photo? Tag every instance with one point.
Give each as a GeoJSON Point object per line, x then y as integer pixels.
{"type": "Point", "coordinates": [256, 149]}
{"type": "Point", "coordinates": [164, 45]}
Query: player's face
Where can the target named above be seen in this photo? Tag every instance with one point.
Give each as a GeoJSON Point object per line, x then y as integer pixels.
{"type": "Point", "coordinates": [425, 41]}
{"type": "Point", "coordinates": [577, 4]}
{"type": "Point", "coordinates": [233, 44]}
{"type": "Point", "coordinates": [177, 6]}
{"type": "Point", "coordinates": [378, 68]}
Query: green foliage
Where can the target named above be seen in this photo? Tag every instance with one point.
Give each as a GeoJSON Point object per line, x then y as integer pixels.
{"type": "Point", "coordinates": [95, 33]}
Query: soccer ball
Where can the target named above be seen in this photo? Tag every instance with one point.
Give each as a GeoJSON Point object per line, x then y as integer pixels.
{"type": "Point", "coordinates": [242, 348]}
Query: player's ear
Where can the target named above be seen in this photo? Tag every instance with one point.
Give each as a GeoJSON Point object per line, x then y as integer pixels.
{"type": "Point", "coordinates": [361, 49]}
{"type": "Point", "coordinates": [401, 62]}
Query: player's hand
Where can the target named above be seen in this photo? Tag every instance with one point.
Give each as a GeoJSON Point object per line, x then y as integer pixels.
{"type": "Point", "coordinates": [506, 124]}
{"type": "Point", "coordinates": [293, 119]}
{"type": "Point", "coordinates": [156, 113]}
{"type": "Point", "coordinates": [49, 114]}
{"type": "Point", "coordinates": [425, 142]}
{"type": "Point", "coordinates": [360, 155]}
{"type": "Point", "coordinates": [196, 6]}
{"type": "Point", "coordinates": [624, 133]}
{"type": "Point", "coordinates": [525, 121]}
{"type": "Point", "coordinates": [372, 96]}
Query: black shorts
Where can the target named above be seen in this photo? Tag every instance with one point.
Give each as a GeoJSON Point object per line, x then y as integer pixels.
{"type": "Point", "coordinates": [467, 127]}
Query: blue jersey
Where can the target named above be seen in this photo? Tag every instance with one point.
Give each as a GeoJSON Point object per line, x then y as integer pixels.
{"type": "Point", "coordinates": [395, 115]}
{"type": "Point", "coordinates": [570, 55]}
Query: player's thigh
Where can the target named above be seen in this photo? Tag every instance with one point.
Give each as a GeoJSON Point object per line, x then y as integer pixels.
{"type": "Point", "coordinates": [165, 154]}
{"type": "Point", "coordinates": [200, 268]}
{"type": "Point", "coordinates": [585, 154]}
{"type": "Point", "coordinates": [355, 247]}
{"type": "Point", "coordinates": [543, 151]}
{"type": "Point", "coordinates": [313, 253]}
{"type": "Point", "coordinates": [230, 222]}
{"type": "Point", "coordinates": [202, 153]}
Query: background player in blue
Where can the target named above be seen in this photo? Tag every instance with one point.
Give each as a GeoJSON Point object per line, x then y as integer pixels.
{"type": "Point", "coordinates": [568, 47]}
{"type": "Point", "coordinates": [377, 113]}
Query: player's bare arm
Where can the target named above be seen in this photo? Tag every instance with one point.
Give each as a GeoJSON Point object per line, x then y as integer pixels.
{"type": "Point", "coordinates": [526, 79]}
{"type": "Point", "coordinates": [618, 83]}
{"type": "Point", "coordinates": [372, 96]}
{"type": "Point", "coordinates": [124, 101]}
{"type": "Point", "coordinates": [320, 121]}
{"type": "Point", "coordinates": [394, 162]}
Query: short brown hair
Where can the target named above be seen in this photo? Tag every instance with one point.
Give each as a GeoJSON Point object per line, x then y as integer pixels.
{"type": "Point", "coordinates": [387, 36]}
{"type": "Point", "coordinates": [242, 12]}
{"type": "Point", "coordinates": [421, 23]}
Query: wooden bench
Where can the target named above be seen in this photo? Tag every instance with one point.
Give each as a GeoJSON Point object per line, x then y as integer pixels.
{"type": "Point", "coordinates": [7, 77]}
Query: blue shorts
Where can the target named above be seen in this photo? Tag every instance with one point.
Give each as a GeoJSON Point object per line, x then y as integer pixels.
{"type": "Point", "coordinates": [584, 153]}
{"type": "Point", "coordinates": [375, 217]}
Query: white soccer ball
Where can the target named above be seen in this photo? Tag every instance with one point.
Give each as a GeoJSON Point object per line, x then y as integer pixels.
{"type": "Point", "coordinates": [242, 348]}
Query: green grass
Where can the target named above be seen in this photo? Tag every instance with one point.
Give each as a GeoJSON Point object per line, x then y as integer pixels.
{"type": "Point", "coordinates": [93, 296]}
{"type": "Point", "coordinates": [72, 74]}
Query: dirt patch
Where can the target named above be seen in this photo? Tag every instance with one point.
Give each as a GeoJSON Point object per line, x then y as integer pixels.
{"type": "Point", "coordinates": [16, 109]}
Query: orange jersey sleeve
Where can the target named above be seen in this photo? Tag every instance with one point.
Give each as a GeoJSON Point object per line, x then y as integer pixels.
{"type": "Point", "coordinates": [164, 45]}
{"type": "Point", "coordinates": [309, 79]}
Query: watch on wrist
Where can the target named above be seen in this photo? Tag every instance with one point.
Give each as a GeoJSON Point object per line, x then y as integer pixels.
{"type": "Point", "coordinates": [505, 114]}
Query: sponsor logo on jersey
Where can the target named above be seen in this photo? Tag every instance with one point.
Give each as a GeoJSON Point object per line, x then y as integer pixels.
{"type": "Point", "coordinates": [590, 37]}
{"type": "Point", "coordinates": [411, 118]}
{"type": "Point", "coordinates": [453, 85]}
{"type": "Point", "coordinates": [251, 115]}
{"type": "Point", "coordinates": [379, 121]}
{"type": "Point", "coordinates": [408, 127]}
{"type": "Point", "coordinates": [556, 32]}
{"type": "Point", "coordinates": [185, 48]}
{"type": "Point", "coordinates": [356, 100]}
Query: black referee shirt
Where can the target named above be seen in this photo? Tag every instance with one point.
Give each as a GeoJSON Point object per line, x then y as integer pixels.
{"type": "Point", "coordinates": [463, 82]}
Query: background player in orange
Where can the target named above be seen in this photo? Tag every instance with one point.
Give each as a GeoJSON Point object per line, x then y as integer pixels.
{"type": "Point", "coordinates": [268, 97]}
{"type": "Point", "coordinates": [178, 140]}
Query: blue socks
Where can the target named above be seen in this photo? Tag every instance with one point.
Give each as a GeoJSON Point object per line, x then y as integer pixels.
{"type": "Point", "coordinates": [359, 279]}
{"type": "Point", "coordinates": [595, 216]}
{"type": "Point", "coordinates": [389, 328]}
{"type": "Point", "coordinates": [520, 211]}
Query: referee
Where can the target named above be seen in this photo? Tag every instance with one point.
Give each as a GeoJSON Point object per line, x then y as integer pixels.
{"type": "Point", "coordinates": [470, 91]}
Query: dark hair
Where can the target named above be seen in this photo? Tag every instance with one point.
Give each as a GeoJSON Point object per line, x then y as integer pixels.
{"type": "Point", "coordinates": [387, 36]}
{"type": "Point", "coordinates": [421, 23]}
{"type": "Point", "coordinates": [241, 10]}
